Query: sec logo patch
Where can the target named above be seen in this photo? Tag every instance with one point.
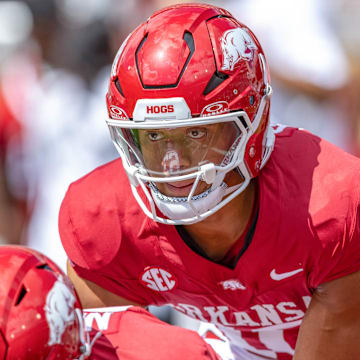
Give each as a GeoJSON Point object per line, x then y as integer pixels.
{"type": "Point", "coordinates": [158, 279]}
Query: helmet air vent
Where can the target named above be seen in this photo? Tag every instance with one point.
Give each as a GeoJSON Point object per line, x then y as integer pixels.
{"type": "Point", "coordinates": [137, 60]}
{"type": "Point", "coordinates": [217, 79]}
{"type": "Point", "coordinates": [189, 40]}
{"type": "Point", "coordinates": [118, 86]}
{"type": "Point", "coordinates": [21, 296]}
{"type": "Point", "coordinates": [45, 267]}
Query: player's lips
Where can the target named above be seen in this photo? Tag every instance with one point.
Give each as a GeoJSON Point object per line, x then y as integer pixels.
{"type": "Point", "coordinates": [182, 189]}
{"type": "Point", "coordinates": [179, 188]}
{"type": "Point", "coordinates": [179, 185]}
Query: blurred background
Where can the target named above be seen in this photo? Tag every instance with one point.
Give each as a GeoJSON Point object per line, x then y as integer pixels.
{"type": "Point", "coordinates": [55, 59]}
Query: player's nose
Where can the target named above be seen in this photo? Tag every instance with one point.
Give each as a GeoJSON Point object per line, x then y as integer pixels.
{"type": "Point", "coordinates": [175, 159]}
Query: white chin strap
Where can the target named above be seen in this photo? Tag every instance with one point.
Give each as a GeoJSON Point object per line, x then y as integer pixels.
{"type": "Point", "coordinates": [177, 208]}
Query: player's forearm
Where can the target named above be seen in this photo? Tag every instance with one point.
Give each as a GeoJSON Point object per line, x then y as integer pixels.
{"type": "Point", "coordinates": [328, 335]}
{"type": "Point", "coordinates": [329, 344]}
{"type": "Point", "coordinates": [331, 326]}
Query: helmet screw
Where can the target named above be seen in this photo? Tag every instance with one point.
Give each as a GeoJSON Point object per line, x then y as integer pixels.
{"type": "Point", "coordinates": [257, 165]}
{"type": "Point", "coordinates": [235, 91]}
{"type": "Point", "coordinates": [252, 99]}
{"type": "Point", "coordinates": [252, 151]}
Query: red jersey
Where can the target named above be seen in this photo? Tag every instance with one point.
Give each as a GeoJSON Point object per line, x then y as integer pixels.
{"type": "Point", "coordinates": [132, 333]}
{"type": "Point", "coordinates": [307, 233]}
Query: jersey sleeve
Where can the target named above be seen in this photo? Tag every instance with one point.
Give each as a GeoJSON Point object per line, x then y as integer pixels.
{"type": "Point", "coordinates": [137, 334]}
{"type": "Point", "coordinates": [91, 232]}
{"type": "Point", "coordinates": [88, 240]}
{"type": "Point", "coordinates": [68, 235]}
{"type": "Point", "coordinates": [340, 254]}
{"type": "Point", "coordinates": [87, 234]}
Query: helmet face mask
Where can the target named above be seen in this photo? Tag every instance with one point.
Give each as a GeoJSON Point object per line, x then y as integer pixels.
{"type": "Point", "coordinates": [174, 149]}
{"type": "Point", "coordinates": [188, 105]}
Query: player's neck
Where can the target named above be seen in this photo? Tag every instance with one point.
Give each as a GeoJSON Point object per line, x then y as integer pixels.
{"type": "Point", "coordinates": [216, 234]}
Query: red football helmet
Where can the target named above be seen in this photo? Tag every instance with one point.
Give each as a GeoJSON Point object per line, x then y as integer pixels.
{"type": "Point", "coordinates": [188, 104]}
{"type": "Point", "coordinates": [40, 314]}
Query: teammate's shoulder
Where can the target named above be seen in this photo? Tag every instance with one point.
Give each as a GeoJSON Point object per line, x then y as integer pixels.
{"type": "Point", "coordinates": [136, 333]}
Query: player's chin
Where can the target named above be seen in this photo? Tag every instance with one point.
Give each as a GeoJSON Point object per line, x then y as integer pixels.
{"type": "Point", "coordinates": [180, 188]}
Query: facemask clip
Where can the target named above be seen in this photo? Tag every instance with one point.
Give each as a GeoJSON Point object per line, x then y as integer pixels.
{"type": "Point", "coordinates": [208, 173]}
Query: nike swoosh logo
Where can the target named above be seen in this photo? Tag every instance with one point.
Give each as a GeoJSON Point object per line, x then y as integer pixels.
{"type": "Point", "coordinates": [275, 276]}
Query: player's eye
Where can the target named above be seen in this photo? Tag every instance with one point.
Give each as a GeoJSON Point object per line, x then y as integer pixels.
{"type": "Point", "coordinates": [196, 133]}
{"type": "Point", "coordinates": [155, 135]}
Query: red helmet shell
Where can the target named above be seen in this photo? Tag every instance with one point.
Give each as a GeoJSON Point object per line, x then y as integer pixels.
{"type": "Point", "coordinates": [27, 278]}
{"type": "Point", "coordinates": [188, 51]}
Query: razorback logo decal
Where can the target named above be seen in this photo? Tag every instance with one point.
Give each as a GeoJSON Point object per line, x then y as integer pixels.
{"type": "Point", "coordinates": [232, 284]}
{"type": "Point", "coordinates": [236, 44]}
{"type": "Point", "coordinates": [59, 310]}
{"type": "Point", "coordinates": [158, 279]}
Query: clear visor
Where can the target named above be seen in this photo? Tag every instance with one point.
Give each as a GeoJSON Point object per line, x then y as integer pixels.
{"type": "Point", "coordinates": [180, 150]}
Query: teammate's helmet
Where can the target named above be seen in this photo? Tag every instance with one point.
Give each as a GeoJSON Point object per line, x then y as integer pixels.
{"type": "Point", "coordinates": [40, 314]}
{"type": "Point", "coordinates": [188, 103]}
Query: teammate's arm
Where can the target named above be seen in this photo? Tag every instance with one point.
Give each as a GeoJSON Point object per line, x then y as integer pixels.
{"type": "Point", "coordinates": [92, 295]}
{"type": "Point", "coordinates": [331, 326]}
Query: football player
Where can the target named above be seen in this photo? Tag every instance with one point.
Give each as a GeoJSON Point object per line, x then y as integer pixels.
{"type": "Point", "coordinates": [251, 227]}
{"type": "Point", "coordinates": [41, 318]}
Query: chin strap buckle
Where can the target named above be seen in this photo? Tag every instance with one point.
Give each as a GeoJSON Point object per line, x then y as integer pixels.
{"type": "Point", "coordinates": [131, 171]}
{"type": "Point", "coordinates": [208, 173]}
